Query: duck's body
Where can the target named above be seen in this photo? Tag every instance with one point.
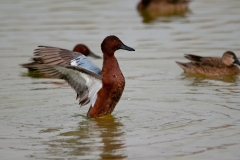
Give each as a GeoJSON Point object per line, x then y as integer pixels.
{"type": "Point", "coordinates": [113, 86]}
{"type": "Point", "coordinates": [160, 4]}
{"type": "Point", "coordinates": [164, 7]}
{"type": "Point", "coordinates": [102, 91]}
{"type": "Point", "coordinates": [211, 66]}
{"type": "Point", "coordinates": [54, 55]}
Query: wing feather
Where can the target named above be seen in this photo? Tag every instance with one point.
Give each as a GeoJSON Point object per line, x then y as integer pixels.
{"type": "Point", "coordinates": [85, 83]}
{"type": "Point", "coordinates": [84, 62]}
{"type": "Point", "coordinates": [205, 61]}
{"type": "Point", "coordinates": [53, 55]}
{"type": "Point", "coordinates": [46, 52]}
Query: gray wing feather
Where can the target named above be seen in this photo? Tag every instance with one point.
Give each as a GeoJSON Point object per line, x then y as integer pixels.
{"type": "Point", "coordinates": [59, 56]}
{"type": "Point", "coordinates": [84, 62]}
{"type": "Point", "coordinates": [54, 55]}
{"type": "Point", "coordinates": [85, 83]}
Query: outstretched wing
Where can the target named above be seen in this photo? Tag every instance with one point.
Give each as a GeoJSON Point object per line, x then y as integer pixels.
{"type": "Point", "coordinates": [51, 55]}
{"type": "Point", "coordinates": [85, 83]}
{"type": "Point", "coordinates": [59, 56]}
{"type": "Point", "coordinates": [54, 55]}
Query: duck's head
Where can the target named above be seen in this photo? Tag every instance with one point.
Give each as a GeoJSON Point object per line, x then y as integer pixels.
{"type": "Point", "coordinates": [81, 48]}
{"type": "Point", "coordinates": [112, 43]}
{"type": "Point", "coordinates": [229, 58]}
{"type": "Point", "coordinates": [143, 4]}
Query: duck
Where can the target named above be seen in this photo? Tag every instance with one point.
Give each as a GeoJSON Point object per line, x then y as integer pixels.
{"type": "Point", "coordinates": [102, 91]}
{"type": "Point", "coordinates": [212, 66]}
{"type": "Point", "coordinates": [82, 48]}
{"type": "Point", "coordinates": [151, 9]}
{"type": "Point", "coordinates": [55, 55]}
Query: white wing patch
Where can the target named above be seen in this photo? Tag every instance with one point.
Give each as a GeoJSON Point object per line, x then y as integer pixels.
{"type": "Point", "coordinates": [79, 79]}
{"type": "Point", "coordinates": [94, 85]}
{"type": "Point", "coordinates": [73, 62]}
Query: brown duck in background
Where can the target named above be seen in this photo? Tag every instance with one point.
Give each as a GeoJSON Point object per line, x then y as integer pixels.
{"type": "Point", "coordinates": [151, 9]}
{"type": "Point", "coordinates": [211, 66]}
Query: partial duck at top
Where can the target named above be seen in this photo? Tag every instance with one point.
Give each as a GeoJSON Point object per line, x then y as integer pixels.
{"type": "Point", "coordinates": [102, 91]}
{"type": "Point", "coordinates": [151, 9]}
{"type": "Point", "coordinates": [54, 55]}
{"type": "Point", "coordinates": [212, 66]}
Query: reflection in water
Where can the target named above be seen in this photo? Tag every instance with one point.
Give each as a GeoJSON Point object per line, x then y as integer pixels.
{"type": "Point", "coordinates": [94, 137]}
{"type": "Point", "coordinates": [110, 135]}
{"type": "Point", "coordinates": [33, 74]}
{"type": "Point", "coordinates": [150, 16]}
{"type": "Point", "coordinates": [198, 79]}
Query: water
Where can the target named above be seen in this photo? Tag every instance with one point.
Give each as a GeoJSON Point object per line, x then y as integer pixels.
{"type": "Point", "coordinates": [163, 113]}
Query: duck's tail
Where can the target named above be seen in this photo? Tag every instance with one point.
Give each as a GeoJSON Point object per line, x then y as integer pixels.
{"type": "Point", "coordinates": [182, 65]}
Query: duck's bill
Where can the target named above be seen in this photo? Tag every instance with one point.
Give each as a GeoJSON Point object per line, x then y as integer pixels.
{"type": "Point", "coordinates": [94, 55]}
{"type": "Point", "coordinates": [237, 62]}
{"type": "Point", "coordinates": [123, 46]}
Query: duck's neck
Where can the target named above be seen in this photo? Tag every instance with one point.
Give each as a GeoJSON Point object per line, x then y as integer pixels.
{"type": "Point", "coordinates": [110, 65]}
{"type": "Point", "coordinates": [111, 73]}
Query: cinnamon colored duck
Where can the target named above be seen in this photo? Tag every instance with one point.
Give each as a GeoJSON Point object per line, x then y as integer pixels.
{"type": "Point", "coordinates": [102, 91]}
{"type": "Point", "coordinates": [53, 55]}
{"type": "Point", "coordinates": [81, 48]}
{"type": "Point", "coordinates": [212, 66]}
{"type": "Point", "coordinates": [151, 9]}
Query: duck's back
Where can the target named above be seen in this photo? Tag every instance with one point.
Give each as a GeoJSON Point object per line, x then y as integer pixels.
{"type": "Point", "coordinates": [206, 61]}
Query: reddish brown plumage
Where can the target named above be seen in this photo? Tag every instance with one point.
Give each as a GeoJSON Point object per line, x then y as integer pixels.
{"type": "Point", "coordinates": [81, 48]}
{"type": "Point", "coordinates": [103, 91]}
{"type": "Point", "coordinates": [113, 81]}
